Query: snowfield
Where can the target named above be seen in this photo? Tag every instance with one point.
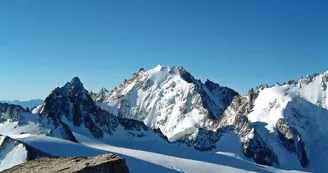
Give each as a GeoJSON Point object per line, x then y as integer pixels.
{"type": "Point", "coordinates": [140, 161]}
{"type": "Point", "coordinates": [304, 105]}
{"type": "Point", "coordinates": [11, 154]}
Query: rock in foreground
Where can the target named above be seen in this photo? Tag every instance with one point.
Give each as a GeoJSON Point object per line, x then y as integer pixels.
{"type": "Point", "coordinates": [107, 163]}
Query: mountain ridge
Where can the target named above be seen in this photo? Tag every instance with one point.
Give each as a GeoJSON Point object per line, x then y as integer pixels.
{"type": "Point", "coordinates": [32, 103]}
{"type": "Point", "coordinates": [255, 143]}
{"type": "Point", "coordinates": [167, 104]}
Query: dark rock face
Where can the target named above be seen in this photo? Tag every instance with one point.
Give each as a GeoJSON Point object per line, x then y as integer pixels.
{"type": "Point", "coordinates": [107, 163]}
{"type": "Point", "coordinates": [74, 103]}
{"type": "Point", "coordinates": [252, 95]}
{"type": "Point", "coordinates": [100, 96]}
{"type": "Point", "coordinates": [291, 82]}
{"type": "Point", "coordinates": [206, 139]}
{"type": "Point", "coordinates": [325, 77]}
{"type": "Point", "coordinates": [15, 113]}
{"type": "Point", "coordinates": [130, 124]}
{"type": "Point", "coordinates": [33, 153]}
{"type": "Point", "coordinates": [11, 112]}
{"type": "Point", "coordinates": [257, 149]}
{"type": "Point", "coordinates": [307, 79]}
{"type": "Point", "coordinates": [291, 139]}
{"type": "Point", "coordinates": [223, 95]}
{"type": "Point", "coordinates": [134, 127]}
{"type": "Point", "coordinates": [185, 75]}
{"type": "Point", "coordinates": [253, 147]}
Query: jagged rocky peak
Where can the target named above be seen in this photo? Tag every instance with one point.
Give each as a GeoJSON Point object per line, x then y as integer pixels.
{"type": "Point", "coordinates": [103, 91]}
{"type": "Point", "coordinates": [73, 103]}
{"type": "Point", "coordinates": [11, 112]}
{"type": "Point", "coordinates": [160, 72]}
{"type": "Point", "coordinates": [71, 106]}
{"type": "Point", "coordinates": [74, 86]}
{"type": "Point", "coordinates": [169, 99]}
{"type": "Point", "coordinates": [224, 94]}
{"type": "Point", "coordinates": [294, 114]}
{"type": "Point", "coordinates": [210, 84]}
{"type": "Point", "coordinates": [100, 95]}
{"type": "Point", "coordinates": [76, 82]}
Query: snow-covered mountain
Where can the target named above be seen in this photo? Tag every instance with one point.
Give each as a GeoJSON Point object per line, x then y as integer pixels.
{"type": "Point", "coordinates": [71, 109]}
{"type": "Point", "coordinates": [25, 104]}
{"type": "Point", "coordinates": [275, 124]}
{"type": "Point", "coordinates": [157, 118]}
{"type": "Point", "coordinates": [61, 130]}
{"type": "Point", "coordinates": [26, 138]}
{"type": "Point", "coordinates": [169, 99]}
{"type": "Point", "coordinates": [292, 118]}
{"type": "Point", "coordinates": [184, 109]}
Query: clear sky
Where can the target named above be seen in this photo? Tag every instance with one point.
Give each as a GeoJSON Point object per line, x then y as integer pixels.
{"type": "Point", "coordinates": [237, 43]}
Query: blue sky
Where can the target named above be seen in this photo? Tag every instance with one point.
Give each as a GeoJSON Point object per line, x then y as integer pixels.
{"type": "Point", "coordinates": [239, 44]}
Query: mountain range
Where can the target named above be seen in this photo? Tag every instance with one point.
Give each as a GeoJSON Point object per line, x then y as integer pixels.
{"type": "Point", "coordinates": [165, 120]}
{"type": "Point", "coordinates": [25, 104]}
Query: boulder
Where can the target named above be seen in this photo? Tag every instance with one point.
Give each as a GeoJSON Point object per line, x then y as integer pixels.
{"type": "Point", "coordinates": [107, 163]}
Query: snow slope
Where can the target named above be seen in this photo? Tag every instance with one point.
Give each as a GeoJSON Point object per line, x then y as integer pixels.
{"type": "Point", "coordinates": [304, 105]}
{"type": "Point", "coordinates": [11, 153]}
{"type": "Point", "coordinates": [138, 160]}
{"type": "Point", "coordinates": [285, 122]}
{"type": "Point", "coordinates": [187, 111]}
{"type": "Point", "coordinates": [169, 99]}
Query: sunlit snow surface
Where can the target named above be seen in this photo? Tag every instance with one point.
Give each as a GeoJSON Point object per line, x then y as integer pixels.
{"type": "Point", "coordinates": [304, 105]}
{"type": "Point", "coordinates": [179, 158]}
{"type": "Point", "coordinates": [11, 154]}
{"type": "Point", "coordinates": [163, 99]}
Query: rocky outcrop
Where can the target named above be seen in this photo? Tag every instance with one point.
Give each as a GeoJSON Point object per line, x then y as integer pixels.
{"type": "Point", "coordinates": [252, 96]}
{"type": "Point", "coordinates": [107, 163]}
{"type": "Point", "coordinates": [325, 76]}
{"type": "Point", "coordinates": [74, 103]}
{"type": "Point", "coordinates": [292, 140]}
{"type": "Point", "coordinates": [100, 96]}
{"type": "Point", "coordinates": [257, 149]}
{"type": "Point", "coordinates": [222, 98]}
{"type": "Point", "coordinates": [203, 140]}
{"type": "Point", "coordinates": [253, 145]}
{"type": "Point", "coordinates": [71, 106]}
{"type": "Point", "coordinates": [224, 94]}
{"type": "Point", "coordinates": [10, 112]}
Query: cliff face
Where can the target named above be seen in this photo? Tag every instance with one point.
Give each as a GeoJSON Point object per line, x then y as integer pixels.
{"type": "Point", "coordinates": [107, 163]}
